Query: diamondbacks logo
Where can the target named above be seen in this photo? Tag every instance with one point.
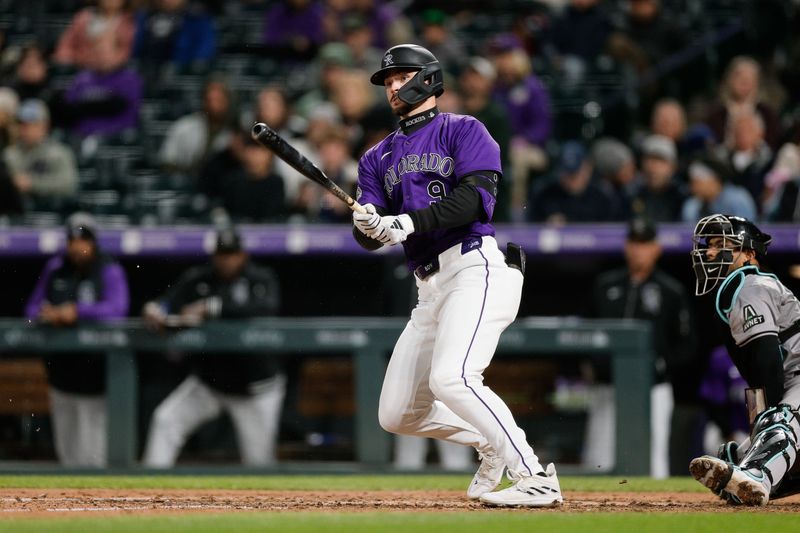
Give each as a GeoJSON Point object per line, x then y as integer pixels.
{"type": "Point", "coordinates": [388, 60]}
{"type": "Point", "coordinates": [751, 318]}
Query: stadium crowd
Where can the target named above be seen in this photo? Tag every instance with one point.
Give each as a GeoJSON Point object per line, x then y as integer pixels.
{"type": "Point", "coordinates": [139, 111]}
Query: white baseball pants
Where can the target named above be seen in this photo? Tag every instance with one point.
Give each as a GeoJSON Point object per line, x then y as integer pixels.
{"type": "Point", "coordinates": [434, 384]}
{"type": "Point", "coordinates": [256, 419]}
{"type": "Point", "coordinates": [79, 428]}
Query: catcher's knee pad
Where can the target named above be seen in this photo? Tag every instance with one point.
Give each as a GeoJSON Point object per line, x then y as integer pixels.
{"type": "Point", "coordinates": [774, 443]}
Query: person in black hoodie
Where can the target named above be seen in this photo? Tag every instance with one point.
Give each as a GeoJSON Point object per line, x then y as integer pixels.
{"type": "Point", "coordinates": [248, 387]}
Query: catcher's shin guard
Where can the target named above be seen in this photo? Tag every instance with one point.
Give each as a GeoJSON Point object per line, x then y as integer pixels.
{"type": "Point", "coordinates": [774, 445]}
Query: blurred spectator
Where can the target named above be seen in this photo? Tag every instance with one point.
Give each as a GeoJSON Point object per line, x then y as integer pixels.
{"type": "Point", "coordinates": [475, 84]}
{"type": "Point", "coordinates": [615, 167]}
{"type": "Point", "coordinates": [740, 91]}
{"type": "Point", "coordinates": [294, 29]}
{"type": "Point", "coordinates": [443, 43]}
{"type": "Point", "coordinates": [332, 61]}
{"type": "Point", "coordinates": [642, 291]}
{"type": "Point", "coordinates": [42, 168]}
{"type": "Point", "coordinates": [572, 197]}
{"type": "Point", "coordinates": [712, 192]}
{"type": "Point", "coordinates": [9, 104]}
{"type": "Point", "coordinates": [389, 25]}
{"type": "Point", "coordinates": [781, 199]}
{"type": "Point", "coordinates": [10, 198]}
{"type": "Point", "coordinates": [192, 139]}
{"type": "Point", "coordinates": [211, 177]}
{"type": "Point", "coordinates": [661, 196]}
{"type": "Point", "coordinates": [528, 107]}
{"type": "Point", "coordinates": [364, 120]}
{"type": "Point", "coordinates": [357, 35]}
{"type": "Point", "coordinates": [80, 287]}
{"type": "Point", "coordinates": [318, 204]}
{"type": "Point", "coordinates": [31, 78]}
{"type": "Point", "coordinates": [669, 120]}
{"type": "Point", "coordinates": [272, 107]}
{"type": "Point", "coordinates": [644, 38]}
{"type": "Point", "coordinates": [451, 101]}
{"type": "Point", "coordinates": [104, 98]}
{"type": "Point", "coordinates": [746, 152]}
{"type": "Point", "coordinates": [580, 32]}
{"type": "Point", "coordinates": [252, 191]}
{"type": "Point", "coordinates": [110, 21]}
{"type": "Point", "coordinates": [248, 387]}
{"type": "Point", "coordinates": [174, 32]}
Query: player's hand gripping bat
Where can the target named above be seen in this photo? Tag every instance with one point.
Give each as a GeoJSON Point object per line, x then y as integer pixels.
{"type": "Point", "coordinates": [270, 139]}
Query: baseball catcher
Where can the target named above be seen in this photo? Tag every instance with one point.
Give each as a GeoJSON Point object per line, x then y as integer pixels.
{"type": "Point", "coordinates": [762, 320]}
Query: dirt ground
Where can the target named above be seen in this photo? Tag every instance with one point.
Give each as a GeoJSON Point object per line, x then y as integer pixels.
{"type": "Point", "coordinates": [27, 502]}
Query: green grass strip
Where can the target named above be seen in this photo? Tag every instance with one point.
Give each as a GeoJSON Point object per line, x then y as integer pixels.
{"type": "Point", "coordinates": [478, 522]}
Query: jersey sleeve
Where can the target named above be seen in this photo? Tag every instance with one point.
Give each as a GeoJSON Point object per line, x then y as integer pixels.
{"type": "Point", "coordinates": [476, 150]}
{"type": "Point", "coordinates": [753, 313]}
{"type": "Point", "coordinates": [370, 189]}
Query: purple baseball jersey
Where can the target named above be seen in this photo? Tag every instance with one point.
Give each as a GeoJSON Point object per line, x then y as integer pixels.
{"type": "Point", "coordinates": [403, 173]}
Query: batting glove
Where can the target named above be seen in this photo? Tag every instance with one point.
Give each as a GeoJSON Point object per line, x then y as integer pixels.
{"type": "Point", "coordinates": [367, 223]}
{"type": "Point", "coordinates": [394, 230]}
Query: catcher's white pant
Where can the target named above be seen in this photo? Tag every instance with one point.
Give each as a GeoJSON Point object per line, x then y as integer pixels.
{"type": "Point", "coordinates": [434, 384]}
{"type": "Point", "coordinates": [256, 419]}
{"type": "Point", "coordinates": [79, 428]}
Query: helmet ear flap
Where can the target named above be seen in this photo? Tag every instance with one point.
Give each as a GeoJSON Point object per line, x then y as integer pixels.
{"type": "Point", "coordinates": [417, 91]}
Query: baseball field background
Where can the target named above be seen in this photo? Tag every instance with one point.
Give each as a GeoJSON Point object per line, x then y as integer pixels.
{"type": "Point", "coordinates": [331, 503]}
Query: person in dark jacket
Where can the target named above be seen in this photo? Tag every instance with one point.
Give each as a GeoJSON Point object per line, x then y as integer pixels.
{"type": "Point", "coordinates": [81, 286]}
{"type": "Point", "coordinates": [248, 387]}
{"type": "Point", "coordinates": [641, 291]}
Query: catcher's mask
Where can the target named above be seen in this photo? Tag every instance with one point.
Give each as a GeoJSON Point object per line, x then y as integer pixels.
{"type": "Point", "coordinates": [726, 235]}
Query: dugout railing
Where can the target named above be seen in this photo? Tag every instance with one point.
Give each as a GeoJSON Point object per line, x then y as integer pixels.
{"type": "Point", "coordinates": [369, 340]}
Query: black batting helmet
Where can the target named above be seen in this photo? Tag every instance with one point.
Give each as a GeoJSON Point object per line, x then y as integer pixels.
{"type": "Point", "coordinates": [412, 57]}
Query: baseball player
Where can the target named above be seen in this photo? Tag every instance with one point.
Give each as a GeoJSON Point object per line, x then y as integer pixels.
{"type": "Point", "coordinates": [248, 387]}
{"type": "Point", "coordinates": [83, 285]}
{"type": "Point", "coordinates": [431, 185]}
{"type": "Point", "coordinates": [762, 319]}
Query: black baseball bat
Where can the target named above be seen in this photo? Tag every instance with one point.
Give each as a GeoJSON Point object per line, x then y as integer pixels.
{"type": "Point", "coordinates": [270, 139]}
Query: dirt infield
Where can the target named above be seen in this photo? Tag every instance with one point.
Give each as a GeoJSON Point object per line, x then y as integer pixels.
{"type": "Point", "coordinates": [28, 502]}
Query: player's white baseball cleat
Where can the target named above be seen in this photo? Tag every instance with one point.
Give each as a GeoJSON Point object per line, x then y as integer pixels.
{"type": "Point", "coordinates": [488, 476]}
{"type": "Point", "coordinates": [540, 490]}
{"type": "Point", "coordinates": [729, 481]}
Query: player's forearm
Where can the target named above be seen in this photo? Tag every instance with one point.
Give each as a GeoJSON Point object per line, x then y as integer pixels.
{"type": "Point", "coordinates": [460, 207]}
{"type": "Point", "coordinates": [229, 308]}
{"type": "Point", "coordinates": [115, 301]}
{"type": "Point", "coordinates": [764, 367]}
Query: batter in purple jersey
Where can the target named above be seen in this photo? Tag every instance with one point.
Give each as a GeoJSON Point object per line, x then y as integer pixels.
{"type": "Point", "coordinates": [431, 185]}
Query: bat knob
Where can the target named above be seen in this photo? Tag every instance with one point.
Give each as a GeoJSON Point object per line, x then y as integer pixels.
{"type": "Point", "coordinates": [258, 129]}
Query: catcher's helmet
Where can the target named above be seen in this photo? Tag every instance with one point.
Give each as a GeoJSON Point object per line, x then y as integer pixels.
{"type": "Point", "coordinates": [412, 57]}
{"type": "Point", "coordinates": [732, 234]}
